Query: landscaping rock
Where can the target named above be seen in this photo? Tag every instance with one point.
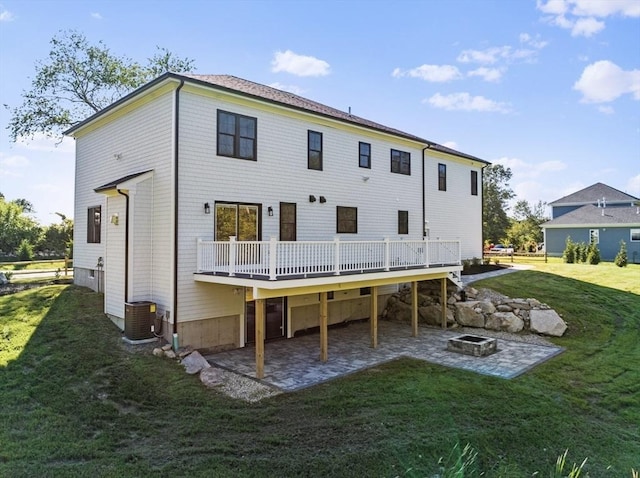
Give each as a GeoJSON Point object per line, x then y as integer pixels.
{"type": "Point", "coordinates": [547, 322]}
{"type": "Point", "coordinates": [505, 321]}
{"type": "Point", "coordinates": [467, 315]}
{"type": "Point", "coordinates": [158, 352]}
{"type": "Point", "coordinates": [170, 354]}
{"type": "Point", "coordinates": [194, 363]}
{"type": "Point", "coordinates": [399, 311]}
{"type": "Point", "coordinates": [432, 315]}
{"type": "Point", "coordinates": [3, 279]}
{"type": "Point", "coordinates": [166, 347]}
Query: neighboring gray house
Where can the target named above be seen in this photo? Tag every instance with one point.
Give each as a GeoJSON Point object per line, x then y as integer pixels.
{"type": "Point", "coordinates": [600, 214]}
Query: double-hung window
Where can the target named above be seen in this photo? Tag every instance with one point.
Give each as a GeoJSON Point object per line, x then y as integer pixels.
{"type": "Point", "coordinates": [474, 183]}
{"type": "Point", "coordinates": [403, 222]}
{"type": "Point", "coordinates": [400, 162]}
{"type": "Point", "coordinates": [364, 151]}
{"type": "Point", "coordinates": [442, 177]}
{"type": "Point", "coordinates": [94, 221]}
{"type": "Point", "coordinates": [314, 156]}
{"type": "Point", "coordinates": [634, 235]}
{"type": "Point", "coordinates": [237, 135]}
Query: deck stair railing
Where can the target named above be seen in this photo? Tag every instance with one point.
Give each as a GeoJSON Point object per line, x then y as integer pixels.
{"type": "Point", "coordinates": [275, 259]}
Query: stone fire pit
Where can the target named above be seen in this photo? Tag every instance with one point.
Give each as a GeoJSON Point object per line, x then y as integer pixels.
{"type": "Point", "coordinates": [473, 345]}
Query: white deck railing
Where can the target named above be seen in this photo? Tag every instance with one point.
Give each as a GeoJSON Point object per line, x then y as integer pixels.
{"type": "Point", "coordinates": [275, 259]}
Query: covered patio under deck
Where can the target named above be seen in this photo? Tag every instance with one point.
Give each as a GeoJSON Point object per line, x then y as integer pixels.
{"type": "Point", "coordinates": [260, 290]}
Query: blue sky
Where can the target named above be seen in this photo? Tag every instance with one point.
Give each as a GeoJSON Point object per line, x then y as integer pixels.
{"type": "Point", "coordinates": [549, 88]}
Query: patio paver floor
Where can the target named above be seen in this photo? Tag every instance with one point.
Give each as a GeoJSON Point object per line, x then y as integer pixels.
{"type": "Point", "coordinates": [293, 364]}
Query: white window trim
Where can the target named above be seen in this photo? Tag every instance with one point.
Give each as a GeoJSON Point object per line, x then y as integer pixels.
{"type": "Point", "coordinates": [631, 233]}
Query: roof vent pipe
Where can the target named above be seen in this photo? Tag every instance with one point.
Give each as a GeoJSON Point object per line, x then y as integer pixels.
{"type": "Point", "coordinates": [604, 202]}
{"type": "Point", "coordinates": [598, 202]}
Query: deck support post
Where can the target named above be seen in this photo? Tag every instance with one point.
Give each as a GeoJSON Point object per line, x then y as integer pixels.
{"type": "Point", "coordinates": [414, 309]}
{"type": "Point", "coordinates": [374, 317]}
{"type": "Point", "coordinates": [324, 328]}
{"type": "Point", "coordinates": [443, 301]}
{"type": "Point", "coordinates": [260, 311]}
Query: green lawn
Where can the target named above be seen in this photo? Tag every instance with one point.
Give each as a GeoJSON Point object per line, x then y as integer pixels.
{"type": "Point", "coordinates": [74, 402]}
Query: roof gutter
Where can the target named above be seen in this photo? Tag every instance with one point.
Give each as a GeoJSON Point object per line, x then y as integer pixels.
{"type": "Point", "coordinates": [126, 246]}
{"type": "Point", "coordinates": [176, 150]}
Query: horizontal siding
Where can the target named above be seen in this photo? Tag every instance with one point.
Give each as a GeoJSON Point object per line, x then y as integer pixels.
{"type": "Point", "coordinates": [114, 257]}
{"type": "Point", "coordinates": [143, 141]}
{"type": "Point", "coordinates": [280, 174]}
{"type": "Point", "coordinates": [454, 213]}
{"type": "Point", "coordinates": [141, 241]}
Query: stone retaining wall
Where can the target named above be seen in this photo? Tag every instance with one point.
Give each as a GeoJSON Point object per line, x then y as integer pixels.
{"type": "Point", "coordinates": [481, 308]}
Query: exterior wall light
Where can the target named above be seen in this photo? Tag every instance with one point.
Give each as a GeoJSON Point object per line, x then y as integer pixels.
{"type": "Point", "coordinates": [323, 199]}
{"type": "Point", "coordinates": [270, 211]}
{"type": "Point", "coordinates": [312, 198]}
{"type": "Point", "coordinates": [207, 208]}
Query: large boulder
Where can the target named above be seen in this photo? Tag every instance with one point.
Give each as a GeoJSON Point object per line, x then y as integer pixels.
{"type": "Point", "coordinates": [194, 362]}
{"type": "Point", "coordinates": [547, 322]}
{"type": "Point", "coordinates": [469, 314]}
{"type": "Point", "coordinates": [398, 311]}
{"type": "Point", "coordinates": [432, 315]}
{"type": "Point", "coordinates": [505, 321]}
{"type": "Point", "coordinates": [3, 279]}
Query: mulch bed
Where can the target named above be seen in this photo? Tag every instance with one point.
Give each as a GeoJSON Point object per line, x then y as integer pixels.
{"type": "Point", "coordinates": [481, 268]}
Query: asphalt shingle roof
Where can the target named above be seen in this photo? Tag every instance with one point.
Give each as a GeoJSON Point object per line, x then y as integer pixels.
{"type": "Point", "coordinates": [267, 93]}
{"type": "Point", "coordinates": [592, 215]}
{"type": "Point", "coordinates": [593, 193]}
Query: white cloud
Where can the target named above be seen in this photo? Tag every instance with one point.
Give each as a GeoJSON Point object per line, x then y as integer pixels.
{"type": "Point", "coordinates": [582, 16]}
{"type": "Point", "coordinates": [42, 142]}
{"type": "Point", "coordinates": [605, 8]}
{"type": "Point", "coordinates": [10, 165]}
{"type": "Point", "coordinates": [586, 27]}
{"type": "Point", "coordinates": [633, 186]}
{"type": "Point", "coordinates": [484, 57]}
{"type": "Point", "coordinates": [604, 81]}
{"type": "Point", "coordinates": [6, 15]}
{"type": "Point", "coordinates": [432, 73]}
{"type": "Point", "coordinates": [533, 42]}
{"type": "Point", "coordinates": [524, 169]}
{"type": "Point", "coordinates": [300, 65]}
{"type": "Point", "coordinates": [466, 102]}
{"type": "Point", "coordinates": [296, 90]}
{"type": "Point", "coordinates": [450, 144]}
{"type": "Point", "coordinates": [487, 74]}
{"type": "Point", "coordinates": [553, 7]}
{"type": "Point", "coordinates": [96, 15]}
{"type": "Point", "coordinates": [506, 53]}
{"type": "Point", "coordinates": [607, 110]}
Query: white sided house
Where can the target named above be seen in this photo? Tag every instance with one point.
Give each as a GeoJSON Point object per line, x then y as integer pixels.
{"type": "Point", "coordinates": [246, 213]}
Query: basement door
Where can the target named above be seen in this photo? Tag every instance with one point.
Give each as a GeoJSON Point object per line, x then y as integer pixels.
{"type": "Point", "coordinates": [275, 319]}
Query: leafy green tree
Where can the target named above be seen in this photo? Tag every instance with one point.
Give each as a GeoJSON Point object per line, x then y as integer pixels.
{"type": "Point", "coordinates": [496, 195]}
{"type": "Point", "coordinates": [593, 256]}
{"type": "Point", "coordinates": [79, 79]}
{"type": "Point", "coordinates": [25, 251]}
{"type": "Point", "coordinates": [569, 254]}
{"type": "Point", "coordinates": [15, 226]}
{"type": "Point", "coordinates": [621, 259]}
{"type": "Point", "coordinates": [57, 238]}
{"type": "Point", "coordinates": [524, 231]}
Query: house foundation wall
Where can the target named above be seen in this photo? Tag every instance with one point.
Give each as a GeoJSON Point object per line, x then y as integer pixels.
{"type": "Point", "coordinates": [91, 278]}
{"type": "Point", "coordinates": [214, 334]}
